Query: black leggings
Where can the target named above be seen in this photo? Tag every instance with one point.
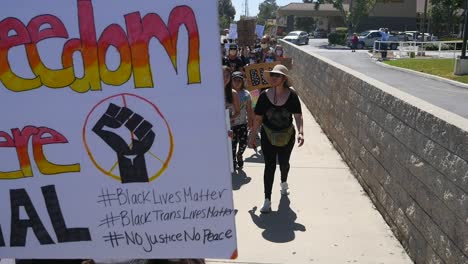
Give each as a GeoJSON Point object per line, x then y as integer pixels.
{"type": "Point", "coordinates": [239, 137]}
{"type": "Point", "coordinates": [270, 153]}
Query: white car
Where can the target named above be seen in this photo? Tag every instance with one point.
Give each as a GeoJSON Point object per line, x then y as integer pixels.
{"type": "Point", "coordinates": [427, 36]}
{"type": "Point", "coordinates": [297, 37]}
{"type": "Point", "coordinates": [367, 39]}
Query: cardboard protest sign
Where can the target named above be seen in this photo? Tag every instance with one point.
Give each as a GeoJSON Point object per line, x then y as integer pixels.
{"type": "Point", "coordinates": [246, 32]}
{"type": "Point", "coordinates": [255, 75]}
{"type": "Point", "coordinates": [107, 106]}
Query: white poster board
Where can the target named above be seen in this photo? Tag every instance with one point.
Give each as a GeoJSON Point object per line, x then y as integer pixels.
{"type": "Point", "coordinates": [113, 135]}
{"type": "Point", "coordinates": [232, 31]}
{"type": "Point", "coordinates": [259, 30]}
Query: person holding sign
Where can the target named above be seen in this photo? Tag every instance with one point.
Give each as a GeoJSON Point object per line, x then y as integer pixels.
{"type": "Point", "coordinates": [264, 49]}
{"type": "Point", "coordinates": [274, 112]}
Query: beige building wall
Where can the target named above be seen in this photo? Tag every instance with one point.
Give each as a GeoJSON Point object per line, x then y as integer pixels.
{"type": "Point", "coordinates": [395, 8]}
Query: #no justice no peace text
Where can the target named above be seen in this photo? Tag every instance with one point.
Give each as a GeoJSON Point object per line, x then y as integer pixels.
{"type": "Point", "coordinates": [147, 241]}
{"type": "Point", "coordinates": [122, 196]}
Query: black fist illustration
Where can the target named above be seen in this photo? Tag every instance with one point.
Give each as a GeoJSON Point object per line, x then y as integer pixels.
{"type": "Point", "coordinates": [131, 158]}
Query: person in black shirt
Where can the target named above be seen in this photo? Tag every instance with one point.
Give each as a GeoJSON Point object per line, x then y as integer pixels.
{"type": "Point", "coordinates": [274, 111]}
{"type": "Point", "coordinates": [232, 60]}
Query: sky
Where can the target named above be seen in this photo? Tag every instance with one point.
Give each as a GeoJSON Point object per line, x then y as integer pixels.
{"type": "Point", "coordinates": [253, 6]}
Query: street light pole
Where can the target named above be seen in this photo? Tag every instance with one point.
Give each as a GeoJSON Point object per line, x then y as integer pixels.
{"type": "Point", "coordinates": [423, 29]}
{"type": "Point", "coordinates": [463, 53]}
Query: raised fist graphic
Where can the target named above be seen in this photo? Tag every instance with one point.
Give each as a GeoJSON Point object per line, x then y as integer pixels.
{"type": "Point", "coordinates": [131, 158]}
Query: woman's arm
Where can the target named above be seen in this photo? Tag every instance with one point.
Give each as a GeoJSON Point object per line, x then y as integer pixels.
{"type": "Point", "coordinates": [253, 133]}
{"type": "Point", "coordinates": [250, 114]}
{"type": "Point", "coordinates": [236, 103]}
{"type": "Point", "coordinates": [300, 129]}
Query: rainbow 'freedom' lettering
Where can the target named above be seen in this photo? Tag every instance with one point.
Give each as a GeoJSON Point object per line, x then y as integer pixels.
{"type": "Point", "coordinates": [131, 44]}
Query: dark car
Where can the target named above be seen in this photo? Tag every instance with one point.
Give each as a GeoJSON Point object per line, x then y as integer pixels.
{"type": "Point", "coordinates": [320, 33]}
{"type": "Point", "coordinates": [297, 37]}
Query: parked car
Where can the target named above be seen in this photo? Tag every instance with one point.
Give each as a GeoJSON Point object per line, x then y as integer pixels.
{"type": "Point", "coordinates": [297, 37]}
{"type": "Point", "coordinates": [320, 33]}
{"type": "Point", "coordinates": [427, 37]}
{"type": "Point", "coordinates": [367, 39]}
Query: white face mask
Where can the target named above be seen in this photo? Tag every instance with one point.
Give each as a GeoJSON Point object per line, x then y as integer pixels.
{"type": "Point", "coordinates": [233, 52]}
{"type": "Point", "coordinates": [279, 52]}
{"type": "Point", "coordinates": [264, 46]}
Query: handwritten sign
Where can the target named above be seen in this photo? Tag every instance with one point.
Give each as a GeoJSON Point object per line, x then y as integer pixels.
{"type": "Point", "coordinates": [259, 30]}
{"type": "Point", "coordinates": [255, 75]}
{"type": "Point", "coordinates": [246, 32]}
{"type": "Point", "coordinates": [232, 31]}
{"type": "Point", "coordinates": [100, 141]}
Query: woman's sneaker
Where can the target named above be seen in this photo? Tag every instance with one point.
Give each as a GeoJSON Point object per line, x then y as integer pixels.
{"type": "Point", "coordinates": [266, 208]}
{"type": "Point", "coordinates": [284, 188]}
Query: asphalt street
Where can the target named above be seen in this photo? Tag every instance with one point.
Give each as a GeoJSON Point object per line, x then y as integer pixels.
{"type": "Point", "coordinates": [440, 93]}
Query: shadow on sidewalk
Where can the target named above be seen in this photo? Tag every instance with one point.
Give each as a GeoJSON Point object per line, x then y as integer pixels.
{"type": "Point", "coordinates": [334, 47]}
{"type": "Point", "coordinates": [239, 178]}
{"type": "Point", "coordinates": [280, 225]}
{"type": "Point", "coordinates": [257, 157]}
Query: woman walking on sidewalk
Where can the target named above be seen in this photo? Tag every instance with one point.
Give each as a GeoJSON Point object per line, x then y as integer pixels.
{"type": "Point", "coordinates": [243, 121]}
{"type": "Point", "coordinates": [274, 112]}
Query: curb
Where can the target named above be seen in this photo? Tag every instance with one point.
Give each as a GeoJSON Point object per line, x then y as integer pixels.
{"type": "Point", "coordinates": [422, 74]}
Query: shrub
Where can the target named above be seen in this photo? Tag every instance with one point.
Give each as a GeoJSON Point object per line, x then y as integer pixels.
{"type": "Point", "coordinates": [341, 30]}
{"type": "Point", "coordinates": [436, 47]}
{"type": "Point", "coordinates": [337, 38]}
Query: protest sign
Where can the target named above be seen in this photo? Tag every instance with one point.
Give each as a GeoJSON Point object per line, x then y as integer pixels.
{"type": "Point", "coordinates": [246, 32]}
{"type": "Point", "coordinates": [259, 30]}
{"type": "Point", "coordinates": [107, 106]}
{"type": "Point", "coordinates": [255, 75]}
{"type": "Point", "coordinates": [232, 31]}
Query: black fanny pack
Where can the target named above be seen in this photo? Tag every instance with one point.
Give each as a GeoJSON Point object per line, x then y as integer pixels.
{"type": "Point", "coordinates": [279, 138]}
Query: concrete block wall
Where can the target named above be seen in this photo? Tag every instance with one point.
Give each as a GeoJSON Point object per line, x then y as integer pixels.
{"type": "Point", "coordinates": [410, 157]}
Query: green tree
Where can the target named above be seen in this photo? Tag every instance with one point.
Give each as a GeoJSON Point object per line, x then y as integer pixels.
{"type": "Point", "coordinates": [358, 9]}
{"type": "Point", "coordinates": [226, 13]}
{"type": "Point", "coordinates": [304, 23]}
{"type": "Point", "coordinates": [444, 15]}
{"type": "Point", "coordinates": [267, 10]}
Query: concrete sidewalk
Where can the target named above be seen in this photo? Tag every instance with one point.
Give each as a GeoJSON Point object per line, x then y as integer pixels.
{"type": "Point", "coordinates": [327, 218]}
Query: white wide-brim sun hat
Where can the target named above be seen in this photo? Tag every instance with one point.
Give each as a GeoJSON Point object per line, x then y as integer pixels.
{"type": "Point", "coordinates": [280, 69]}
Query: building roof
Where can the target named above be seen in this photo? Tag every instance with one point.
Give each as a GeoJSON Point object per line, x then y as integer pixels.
{"type": "Point", "coordinates": [308, 9]}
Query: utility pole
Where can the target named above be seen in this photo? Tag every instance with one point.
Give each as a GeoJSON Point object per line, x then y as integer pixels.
{"type": "Point", "coordinates": [246, 8]}
{"type": "Point", "coordinates": [424, 20]}
{"type": "Point", "coordinates": [463, 53]}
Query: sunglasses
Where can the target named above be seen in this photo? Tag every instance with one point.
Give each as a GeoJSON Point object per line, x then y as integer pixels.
{"type": "Point", "coordinates": [276, 75]}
